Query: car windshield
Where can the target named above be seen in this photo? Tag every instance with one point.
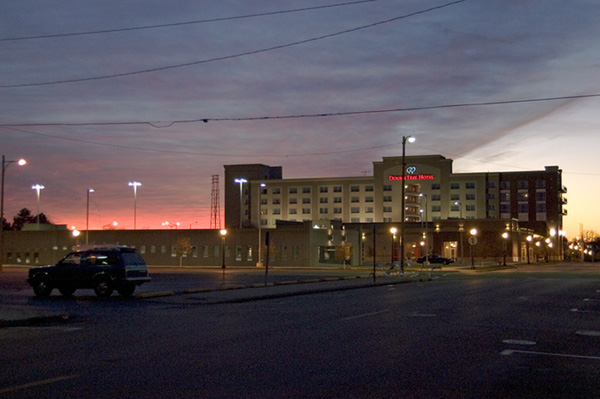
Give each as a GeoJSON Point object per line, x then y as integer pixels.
{"type": "Point", "coordinates": [133, 258]}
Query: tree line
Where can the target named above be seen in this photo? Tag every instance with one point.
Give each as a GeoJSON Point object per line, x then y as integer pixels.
{"type": "Point", "coordinates": [22, 218]}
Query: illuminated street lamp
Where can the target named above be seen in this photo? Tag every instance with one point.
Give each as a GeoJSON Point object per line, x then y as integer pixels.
{"type": "Point", "coordinates": [393, 230]}
{"type": "Point", "coordinates": [223, 233]}
{"type": "Point", "coordinates": [505, 236]}
{"type": "Point", "coordinates": [259, 263]}
{"type": "Point", "coordinates": [5, 164]}
{"type": "Point", "coordinates": [472, 242]}
{"type": "Point", "coordinates": [241, 183]}
{"type": "Point", "coordinates": [405, 139]}
{"type": "Point", "coordinates": [460, 229]}
{"type": "Point", "coordinates": [38, 188]}
{"type": "Point", "coordinates": [135, 185]}
{"type": "Point", "coordinates": [424, 196]}
{"type": "Point", "coordinates": [87, 216]}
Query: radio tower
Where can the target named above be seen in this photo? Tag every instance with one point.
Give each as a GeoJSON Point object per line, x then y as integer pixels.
{"type": "Point", "coordinates": [215, 210]}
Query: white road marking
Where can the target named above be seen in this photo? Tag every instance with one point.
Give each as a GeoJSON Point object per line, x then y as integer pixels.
{"type": "Point", "coordinates": [584, 311]}
{"type": "Point", "coordinates": [518, 342]}
{"type": "Point", "coordinates": [38, 383]}
{"type": "Point", "coordinates": [508, 352]}
{"type": "Point", "coordinates": [364, 315]}
{"type": "Point", "coordinates": [421, 315]}
{"type": "Point", "coordinates": [588, 333]}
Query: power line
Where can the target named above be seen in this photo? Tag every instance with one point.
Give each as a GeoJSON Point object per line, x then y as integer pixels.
{"type": "Point", "coordinates": [231, 56]}
{"type": "Point", "coordinates": [202, 21]}
{"type": "Point", "coordinates": [159, 125]}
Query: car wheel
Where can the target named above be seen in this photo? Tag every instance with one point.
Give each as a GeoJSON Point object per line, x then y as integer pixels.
{"type": "Point", "coordinates": [103, 286]}
{"type": "Point", "coordinates": [126, 289]}
{"type": "Point", "coordinates": [41, 287]}
{"type": "Point", "coordinates": [67, 291]}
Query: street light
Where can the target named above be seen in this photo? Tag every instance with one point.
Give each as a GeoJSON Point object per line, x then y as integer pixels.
{"type": "Point", "coordinates": [38, 188]}
{"type": "Point", "coordinates": [405, 139]}
{"type": "Point", "coordinates": [424, 196]}
{"type": "Point", "coordinates": [135, 185]}
{"type": "Point", "coordinates": [259, 263]}
{"type": "Point", "coordinates": [241, 183]}
{"type": "Point", "coordinates": [505, 236]}
{"type": "Point", "coordinates": [393, 230]}
{"type": "Point", "coordinates": [5, 164]}
{"type": "Point", "coordinates": [460, 229]}
{"type": "Point", "coordinates": [87, 216]}
{"type": "Point", "coordinates": [472, 242]}
{"type": "Point", "coordinates": [223, 234]}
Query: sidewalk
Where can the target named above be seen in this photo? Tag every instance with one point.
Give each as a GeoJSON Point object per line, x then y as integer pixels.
{"type": "Point", "coordinates": [11, 316]}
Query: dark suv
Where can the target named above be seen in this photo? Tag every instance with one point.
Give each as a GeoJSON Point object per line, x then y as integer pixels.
{"type": "Point", "coordinates": [102, 268]}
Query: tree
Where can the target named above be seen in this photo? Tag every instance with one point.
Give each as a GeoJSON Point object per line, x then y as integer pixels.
{"type": "Point", "coordinates": [183, 246]}
{"type": "Point", "coordinates": [25, 217]}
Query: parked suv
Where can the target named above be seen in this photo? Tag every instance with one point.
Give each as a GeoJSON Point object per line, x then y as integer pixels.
{"type": "Point", "coordinates": [102, 268]}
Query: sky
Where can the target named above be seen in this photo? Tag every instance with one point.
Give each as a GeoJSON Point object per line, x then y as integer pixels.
{"type": "Point", "coordinates": [99, 94]}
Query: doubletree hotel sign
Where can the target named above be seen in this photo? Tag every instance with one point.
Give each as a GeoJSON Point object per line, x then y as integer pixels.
{"type": "Point", "coordinates": [411, 174]}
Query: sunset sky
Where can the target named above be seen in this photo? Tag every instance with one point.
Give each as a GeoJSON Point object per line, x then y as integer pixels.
{"type": "Point", "coordinates": [96, 94]}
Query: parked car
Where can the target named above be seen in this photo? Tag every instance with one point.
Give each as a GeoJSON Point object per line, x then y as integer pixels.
{"type": "Point", "coordinates": [433, 258]}
{"type": "Point", "coordinates": [103, 269]}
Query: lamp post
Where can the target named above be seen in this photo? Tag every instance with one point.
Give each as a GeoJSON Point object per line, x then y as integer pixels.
{"type": "Point", "coordinates": [528, 241]}
{"type": "Point", "coordinates": [87, 216]}
{"type": "Point", "coordinates": [405, 139]}
{"type": "Point", "coordinates": [393, 230]}
{"type": "Point", "coordinates": [473, 242]}
{"type": "Point", "coordinates": [424, 196]}
{"type": "Point", "coordinates": [505, 236]}
{"type": "Point", "coordinates": [461, 227]}
{"type": "Point", "coordinates": [241, 183]}
{"type": "Point", "coordinates": [259, 263]}
{"type": "Point", "coordinates": [223, 233]}
{"type": "Point", "coordinates": [38, 188]}
{"type": "Point", "coordinates": [135, 185]}
{"type": "Point", "coordinates": [5, 164]}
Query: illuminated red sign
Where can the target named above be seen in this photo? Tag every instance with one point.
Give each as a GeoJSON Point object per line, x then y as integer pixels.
{"type": "Point", "coordinates": [411, 177]}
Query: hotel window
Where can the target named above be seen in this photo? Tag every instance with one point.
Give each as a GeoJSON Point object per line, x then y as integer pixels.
{"type": "Point", "coordinates": [522, 196]}
{"type": "Point", "coordinates": [387, 209]}
{"type": "Point", "coordinates": [369, 199]}
{"type": "Point", "coordinates": [323, 200]}
{"type": "Point", "coordinates": [505, 185]}
{"type": "Point", "coordinates": [470, 185]}
{"type": "Point", "coordinates": [276, 211]}
{"type": "Point", "coordinates": [436, 197]}
{"type": "Point", "coordinates": [323, 210]}
{"type": "Point", "coordinates": [454, 186]}
{"type": "Point", "coordinates": [387, 187]}
{"type": "Point", "coordinates": [470, 197]}
{"type": "Point", "coordinates": [454, 197]}
{"type": "Point", "coordinates": [355, 199]}
{"type": "Point", "coordinates": [293, 190]}
{"type": "Point", "coordinates": [305, 190]}
{"type": "Point", "coordinates": [436, 208]}
{"type": "Point", "coordinates": [504, 208]}
{"type": "Point", "coordinates": [355, 209]}
{"type": "Point", "coordinates": [293, 201]}
{"type": "Point", "coordinates": [264, 201]}
{"type": "Point", "coordinates": [540, 184]}
{"type": "Point", "coordinates": [523, 184]}
{"type": "Point", "coordinates": [454, 208]}
{"type": "Point", "coordinates": [293, 211]}
{"type": "Point", "coordinates": [470, 208]}
{"type": "Point", "coordinates": [306, 200]}
{"type": "Point", "coordinates": [540, 208]}
{"type": "Point", "coordinates": [524, 208]}
{"type": "Point", "coordinates": [491, 196]}
{"type": "Point", "coordinates": [540, 196]}
{"type": "Point", "coordinates": [491, 207]}
{"type": "Point", "coordinates": [305, 211]}
{"type": "Point", "coordinates": [276, 201]}
{"type": "Point", "coordinates": [491, 184]}
{"type": "Point", "coordinates": [323, 189]}
{"type": "Point", "coordinates": [337, 210]}
{"type": "Point", "coordinates": [369, 220]}
{"type": "Point", "coordinates": [337, 189]}
{"type": "Point", "coordinates": [369, 188]}
{"type": "Point", "coordinates": [505, 197]}
{"type": "Point", "coordinates": [337, 200]}
{"type": "Point", "coordinates": [436, 186]}
{"type": "Point", "coordinates": [387, 198]}
{"type": "Point", "coordinates": [277, 190]}
{"type": "Point", "coordinates": [355, 189]}
{"type": "Point", "coordinates": [369, 209]}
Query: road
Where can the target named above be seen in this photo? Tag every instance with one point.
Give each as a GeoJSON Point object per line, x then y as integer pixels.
{"type": "Point", "coordinates": [531, 332]}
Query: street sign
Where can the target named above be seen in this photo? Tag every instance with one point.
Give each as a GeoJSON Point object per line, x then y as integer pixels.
{"type": "Point", "coordinates": [473, 240]}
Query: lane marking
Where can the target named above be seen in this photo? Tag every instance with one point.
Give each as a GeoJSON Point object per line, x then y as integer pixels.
{"type": "Point", "coordinates": [38, 383]}
{"type": "Point", "coordinates": [584, 311]}
{"type": "Point", "coordinates": [588, 333]}
{"type": "Point", "coordinates": [421, 315]}
{"type": "Point", "coordinates": [364, 315]}
{"type": "Point", "coordinates": [508, 352]}
{"type": "Point", "coordinates": [518, 342]}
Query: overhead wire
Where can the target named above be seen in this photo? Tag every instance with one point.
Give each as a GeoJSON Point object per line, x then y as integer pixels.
{"type": "Point", "coordinates": [174, 24]}
{"type": "Point", "coordinates": [231, 56]}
